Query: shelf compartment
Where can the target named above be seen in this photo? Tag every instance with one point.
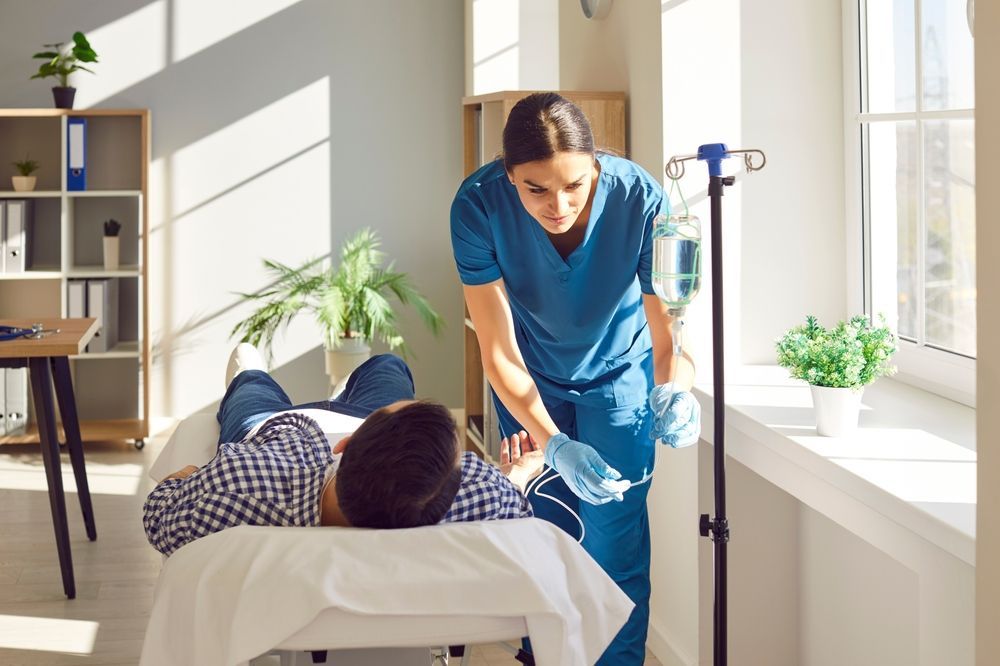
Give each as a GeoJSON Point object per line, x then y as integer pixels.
{"type": "Point", "coordinates": [106, 388]}
{"type": "Point", "coordinates": [87, 230]}
{"type": "Point", "coordinates": [41, 138]}
{"type": "Point", "coordinates": [114, 153]}
{"type": "Point", "coordinates": [30, 298]}
{"type": "Point", "coordinates": [90, 431]}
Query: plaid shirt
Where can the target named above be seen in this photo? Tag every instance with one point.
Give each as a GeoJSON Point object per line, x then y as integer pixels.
{"type": "Point", "coordinates": [276, 477]}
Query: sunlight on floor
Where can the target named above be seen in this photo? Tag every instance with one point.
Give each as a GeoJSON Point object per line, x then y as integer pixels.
{"type": "Point", "coordinates": [103, 479]}
{"type": "Point", "coordinates": [21, 632]}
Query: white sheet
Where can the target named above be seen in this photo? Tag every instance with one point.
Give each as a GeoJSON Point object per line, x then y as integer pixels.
{"type": "Point", "coordinates": [232, 596]}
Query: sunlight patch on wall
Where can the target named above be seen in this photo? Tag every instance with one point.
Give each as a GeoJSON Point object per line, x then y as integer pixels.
{"type": "Point", "coordinates": [198, 24]}
{"type": "Point", "coordinates": [130, 49]}
{"type": "Point", "coordinates": [21, 632]}
{"type": "Point", "coordinates": [253, 146]}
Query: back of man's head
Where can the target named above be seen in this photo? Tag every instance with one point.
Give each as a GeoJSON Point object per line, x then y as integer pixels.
{"type": "Point", "coordinates": [401, 468]}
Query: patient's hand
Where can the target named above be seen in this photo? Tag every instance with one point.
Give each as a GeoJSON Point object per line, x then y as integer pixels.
{"type": "Point", "coordinates": [182, 473]}
{"type": "Point", "coordinates": [520, 459]}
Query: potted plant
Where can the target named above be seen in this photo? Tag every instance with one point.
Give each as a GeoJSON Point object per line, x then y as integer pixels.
{"type": "Point", "coordinates": [838, 363]}
{"type": "Point", "coordinates": [350, 302]}
{"type": "Point", "coordinates": [61, 60]}
{"type": "Point", "coordinates": [111, 245]}
{"type": "Point", "coordinates": [25, 182]}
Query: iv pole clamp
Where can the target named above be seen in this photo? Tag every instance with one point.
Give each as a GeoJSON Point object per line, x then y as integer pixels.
{"type": "Point", "coordinates": [717, 528]}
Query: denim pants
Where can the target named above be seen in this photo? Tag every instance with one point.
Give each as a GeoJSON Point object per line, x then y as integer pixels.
{"type": "Point", "coordinates": [253, 395]}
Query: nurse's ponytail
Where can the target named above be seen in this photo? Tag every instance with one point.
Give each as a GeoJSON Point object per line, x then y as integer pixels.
{"type": "Point", "coordinates": [542, 124]}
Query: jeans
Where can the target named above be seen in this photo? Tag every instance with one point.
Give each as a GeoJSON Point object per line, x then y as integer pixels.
{"type": "Point", "coordinates": [253, 395]}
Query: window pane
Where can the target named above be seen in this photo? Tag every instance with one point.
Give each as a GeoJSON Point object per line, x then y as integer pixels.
{"type": "Point", "coordinates": [946, 45]}
{"type": "Point", "coordinates": [892, 178]}
{"type": "Point", "coordinates": [891, 56]}
{"type": "Point", "coordinates": [950, 214]}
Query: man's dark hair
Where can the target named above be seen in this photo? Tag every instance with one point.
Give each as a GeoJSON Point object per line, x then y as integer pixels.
{"type": "Point", "coordinates": [400, 468]}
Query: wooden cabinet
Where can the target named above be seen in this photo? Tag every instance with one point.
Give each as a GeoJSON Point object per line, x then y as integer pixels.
{"type": "Point", "coordinates": [64, 247]}
{"type": "Point", "coordinates": [483, 118]}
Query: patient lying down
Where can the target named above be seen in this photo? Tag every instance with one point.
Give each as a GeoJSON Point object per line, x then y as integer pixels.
{"type": "Point", "coordinates": [398, 463]}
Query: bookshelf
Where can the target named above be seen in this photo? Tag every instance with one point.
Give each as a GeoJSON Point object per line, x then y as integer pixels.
{"type": "Point", "coordinates": [483, 118]}
{"type": "Point", "coordinates": [64, 235]}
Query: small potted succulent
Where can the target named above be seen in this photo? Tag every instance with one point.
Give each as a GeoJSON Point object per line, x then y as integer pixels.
{"type": "Point", "coordinates": [25, 182]}
{"type": "Point", "coordinates": [111, 229]}
{"type": "Point", "coordinates": [838, 363]}
{"type": "Point", "coordinates": [61, 60]}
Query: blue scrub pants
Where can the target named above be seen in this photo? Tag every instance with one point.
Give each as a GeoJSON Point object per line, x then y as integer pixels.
{"type": "Point", "coordinates": [253, 395]}
{"type": "Point", "coordinates": [616, 534]}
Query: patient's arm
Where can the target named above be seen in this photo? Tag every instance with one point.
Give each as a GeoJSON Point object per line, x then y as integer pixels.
{"type": "Point", "coordinates": [181, 473]}
{"type": "Point", "coordinates": [520, 459]}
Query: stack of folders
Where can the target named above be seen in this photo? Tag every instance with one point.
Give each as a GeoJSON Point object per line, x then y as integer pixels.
{"type": "Point", "coordinates": [97, 298]}
{"type": "Point", "coordinates": [15, 221]}
{"type": "Point", "coordinates": [14, 401]}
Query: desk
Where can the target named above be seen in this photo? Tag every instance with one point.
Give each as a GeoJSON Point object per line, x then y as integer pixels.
{"type": "Point", "coordinates": [47, 359]}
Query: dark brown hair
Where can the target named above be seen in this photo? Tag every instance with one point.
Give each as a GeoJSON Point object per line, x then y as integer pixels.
{"type": "Point", "coordinates": [401, 468]}
{"type": "Point", "coordinates": [542, 124]}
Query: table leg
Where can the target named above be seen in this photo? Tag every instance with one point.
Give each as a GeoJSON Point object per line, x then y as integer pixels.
{"type": "Point", "coordinates": [41, 388]}
{"type": "Point", "coordinates": [71, 426]}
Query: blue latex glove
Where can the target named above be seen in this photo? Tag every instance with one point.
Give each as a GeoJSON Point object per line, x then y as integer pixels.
{"type": "Point", "coordinates": [676, 416]}
{"type": "Point", "coordinates": [584, 471]}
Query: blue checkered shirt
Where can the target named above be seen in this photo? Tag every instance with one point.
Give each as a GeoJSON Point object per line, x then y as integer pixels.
{"type": "Point", "coordinates": [276, 477]}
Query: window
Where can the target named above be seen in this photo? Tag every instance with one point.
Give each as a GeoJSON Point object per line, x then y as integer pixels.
{"type": "Point", "coordinates": [912, 117]}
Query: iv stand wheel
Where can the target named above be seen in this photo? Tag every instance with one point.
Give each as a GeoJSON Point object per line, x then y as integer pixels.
{"type": "Point", "coordinates": [139, 444]}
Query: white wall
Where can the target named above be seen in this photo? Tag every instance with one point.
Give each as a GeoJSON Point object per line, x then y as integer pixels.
{"type": "Point", "coordinates": [511, 45]}
{"type": "Point", "coordinates": [278, 130]}
{"type": "Point", "coordinates": [988, 315]}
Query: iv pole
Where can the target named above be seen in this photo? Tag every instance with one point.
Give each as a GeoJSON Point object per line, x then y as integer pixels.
{"type": "Point", "coordinates": [717, 528]}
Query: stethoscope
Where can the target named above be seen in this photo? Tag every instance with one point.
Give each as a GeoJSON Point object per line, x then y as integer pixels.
{"type": "Point", "coordinates": [36, 332]}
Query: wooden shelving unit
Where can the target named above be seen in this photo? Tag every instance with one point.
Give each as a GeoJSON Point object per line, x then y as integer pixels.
{"type": "Point", "coordinates": [112, 388]}
{"type": "Point", "coordinates": [483, 118]}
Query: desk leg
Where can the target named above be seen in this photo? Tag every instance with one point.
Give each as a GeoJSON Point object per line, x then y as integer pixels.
{"type": "Point", "coordinates": [41, 390]}
{"type": "Point", "coordinates": [71, 426]}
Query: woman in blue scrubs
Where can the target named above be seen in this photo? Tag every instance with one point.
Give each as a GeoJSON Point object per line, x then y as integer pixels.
{"type": "Point", "coordinates": [554, 249]}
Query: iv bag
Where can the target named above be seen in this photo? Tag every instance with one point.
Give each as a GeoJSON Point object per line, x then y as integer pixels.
{"type": "Point", "coordinates": [676, 259]}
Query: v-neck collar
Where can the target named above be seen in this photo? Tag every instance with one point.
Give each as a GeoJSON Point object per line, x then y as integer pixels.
{"type": "Point", "coordinates": [575, 257]}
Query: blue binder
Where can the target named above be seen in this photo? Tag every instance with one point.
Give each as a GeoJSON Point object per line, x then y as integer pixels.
{"type": "Point", "coordinates": [76, 154]}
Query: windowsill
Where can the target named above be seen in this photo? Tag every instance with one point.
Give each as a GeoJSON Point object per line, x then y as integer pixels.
{"type": "Point", "coordinates": [912, 459]}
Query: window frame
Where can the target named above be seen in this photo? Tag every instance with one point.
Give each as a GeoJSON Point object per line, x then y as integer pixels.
{"type": "Point", "coordinates": [948, 374]}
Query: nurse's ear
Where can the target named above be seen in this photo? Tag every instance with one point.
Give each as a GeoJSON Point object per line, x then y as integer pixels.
{"type": "Point", "coordinates": [341, 445]}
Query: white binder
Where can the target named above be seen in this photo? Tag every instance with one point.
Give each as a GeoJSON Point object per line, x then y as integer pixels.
{"type": "Point", "coordinates": [3, 244]}
{"type": "Point", "coordinates": [76, 298]}
{"type": "Point", "coordinates": [102, 304]}
{"type": "Point", "coordinates": [15, 245]}
{"type": "Point", "coordinates": [3, 398]}
{"type": "Point", "coordinates": [16, 385]}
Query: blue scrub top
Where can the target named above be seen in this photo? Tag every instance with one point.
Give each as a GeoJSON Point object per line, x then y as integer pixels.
{"type": "Point", "coordinates": [579, 322]}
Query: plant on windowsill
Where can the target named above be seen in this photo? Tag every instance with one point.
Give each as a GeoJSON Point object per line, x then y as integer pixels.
{"type": "Point", "coordinates": [61, 60]}
{"type": "Point", "coordinates": [350, 302]}
{"type": "Point", "coordinates": [24, 182]}
{"type": "Point", "coordinates": [838, 363]}
{"type": "Point", "coordinates": [111, 244]}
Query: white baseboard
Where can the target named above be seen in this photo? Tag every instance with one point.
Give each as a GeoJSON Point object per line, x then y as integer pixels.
{"type": "Point", "coordinates": [663, 647]}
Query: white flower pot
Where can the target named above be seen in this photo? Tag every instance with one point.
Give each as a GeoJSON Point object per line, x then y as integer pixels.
{"type": "Point", "coordinates": [111, 253]}
{"type": "Point", "coordinates": [343, 360]}
{"type": "Point", "coordinates": [836, 410]}
{"type": "Point", "coordinates": [23, 183]}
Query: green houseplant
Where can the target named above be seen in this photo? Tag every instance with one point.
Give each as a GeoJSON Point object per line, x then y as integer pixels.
{"type": "Point", "coordinates": [350, 302]}
{"type": "Point", "coordinates": [24, 181]}
{"type": "Point", "coordinates": [61, 60]}
{"type": "Point", "coordinates": [838, 363]}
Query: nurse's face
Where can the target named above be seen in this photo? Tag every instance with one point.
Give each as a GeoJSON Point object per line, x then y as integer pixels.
{"type": "Point", "coordinates": [556, 191]}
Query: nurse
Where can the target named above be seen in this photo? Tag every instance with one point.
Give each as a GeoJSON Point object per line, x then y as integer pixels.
{"type": "Point", "coordinates": [553, 246]}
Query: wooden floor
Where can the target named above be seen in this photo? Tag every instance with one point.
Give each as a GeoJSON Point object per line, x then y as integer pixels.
{"type": "Point", "coordinates": [115, 575]}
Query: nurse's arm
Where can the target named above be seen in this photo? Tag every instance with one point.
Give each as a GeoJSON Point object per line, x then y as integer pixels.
{"type": "Point", "coordinates": [665, 365]}
{"type": "Point", "coordinates": [502, 361]}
